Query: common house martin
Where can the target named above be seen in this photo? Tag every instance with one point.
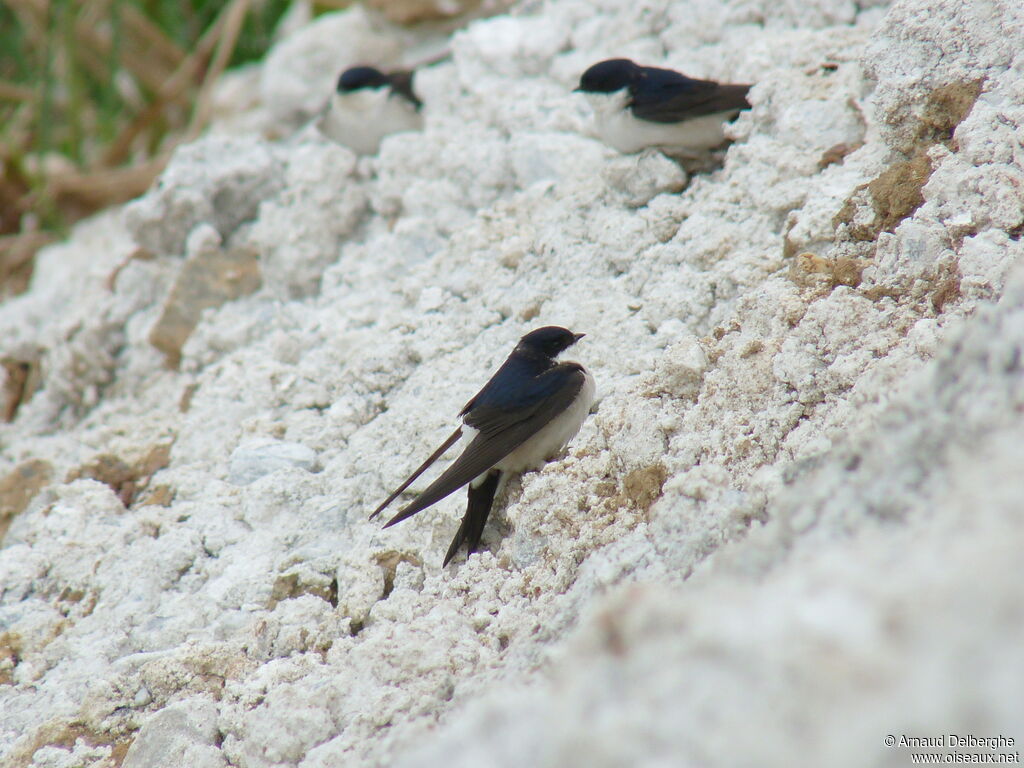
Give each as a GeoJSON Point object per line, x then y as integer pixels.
{"type": "Point", "coordinates": [368, 105]}
{"type": "Point", "coordinates": [637, 107]}
{"type": "Point", "coordinates": [529, 410]}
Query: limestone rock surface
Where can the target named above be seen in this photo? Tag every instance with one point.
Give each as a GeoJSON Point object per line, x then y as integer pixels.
{"type": "Point", "coordinates": [790, 528]}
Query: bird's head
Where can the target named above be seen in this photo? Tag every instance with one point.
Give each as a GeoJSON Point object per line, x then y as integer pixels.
{"type": "Point", "coordinates": [549, 341]}
{"type": "Point", "coordinates": [355, 78]}
{"type": "Point", "coordinates": [608, 76]}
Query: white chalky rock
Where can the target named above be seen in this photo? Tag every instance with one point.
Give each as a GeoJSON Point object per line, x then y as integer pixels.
{"type": "Point", "coordinates": [790, 527]}
{"type": "Point", "coordinates": [298, 232]}
{"type": "Point", "coordinates": [218, 180]}
{"type": "Point", "coordinates": [180, 734]}
{"type": "Point", "coordinates": [258, 457]}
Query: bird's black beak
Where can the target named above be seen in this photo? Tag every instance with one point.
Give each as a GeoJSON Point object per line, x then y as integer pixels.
{"type": "Point", "coordinates": [576, 337]}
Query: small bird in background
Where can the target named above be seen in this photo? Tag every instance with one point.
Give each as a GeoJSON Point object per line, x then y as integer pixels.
{"type": "Point", "coordinates": [368, 105]}
{"type": "Point", "coordinates": [638, 107]}
{"type": "Point", "coordinates": [529, 410]}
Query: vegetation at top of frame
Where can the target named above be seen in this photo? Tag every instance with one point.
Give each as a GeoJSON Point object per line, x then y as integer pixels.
{"type": "Point", "coordinates": [93, 95]}
{"type": "Point", "coordinates": [83, 65]}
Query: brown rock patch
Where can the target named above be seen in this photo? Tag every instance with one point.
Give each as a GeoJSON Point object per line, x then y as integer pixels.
{"type": "Point", "coordinates": [19, 487]}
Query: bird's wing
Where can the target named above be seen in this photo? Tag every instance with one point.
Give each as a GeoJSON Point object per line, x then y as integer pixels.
{"type": "Point", "coordinates": [664, 96]}
{"type": "Point", "coordinates": [502, 430]}
{"type": "Point", "coordinates": [452, 438]}
{"type": "Point", "coordinates": [401, 82]}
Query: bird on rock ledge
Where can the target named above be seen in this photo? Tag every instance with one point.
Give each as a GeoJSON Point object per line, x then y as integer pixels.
{"type": "Point", "coordinates": [368, 105]}
{"type": "Point", "coordinates": [638, 107]}
{"type": "Point", "coordinates": [528, 411]}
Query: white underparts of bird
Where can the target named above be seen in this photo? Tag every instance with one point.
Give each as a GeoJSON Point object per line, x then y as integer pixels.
{"type": "Point", "coordinates": [638, 107]}
{"type": "Point", "coordinates": [368, 105]}
{"type": "Point", "coordinates": [524, 416]}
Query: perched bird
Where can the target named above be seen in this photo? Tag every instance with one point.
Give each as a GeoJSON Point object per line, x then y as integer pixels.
{"type": "Point", "coordinates": [529, 410]}
{"type": "Point", "coordinates": [638, 107]}
{"type": "Point", "coordinates": [368, 105]}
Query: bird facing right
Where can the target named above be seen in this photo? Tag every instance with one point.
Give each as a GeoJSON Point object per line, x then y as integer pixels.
{"type": "Point", "coordinates": [637, 107]}
{"type": "Point", "coordinates": [531, 407]}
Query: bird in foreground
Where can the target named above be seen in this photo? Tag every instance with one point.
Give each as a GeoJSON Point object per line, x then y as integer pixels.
{"type": "Point", "coordinates": [368, 105]}
{"type": "Point", "coordinates": [637, 107]}
{"type": "Point", "coordinates": [529, 410]}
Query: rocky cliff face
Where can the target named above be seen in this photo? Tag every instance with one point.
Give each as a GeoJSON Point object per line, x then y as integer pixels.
{"type": "Point", "coordinates": [791, 528]}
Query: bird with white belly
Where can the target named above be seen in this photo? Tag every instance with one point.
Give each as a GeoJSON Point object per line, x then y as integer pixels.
{"type": "Point", "coordinates": [528, 411]}
{"type": "Point", "coordinates": [637, 107]}
{"type": "Point", "coordinates": [368, 105]}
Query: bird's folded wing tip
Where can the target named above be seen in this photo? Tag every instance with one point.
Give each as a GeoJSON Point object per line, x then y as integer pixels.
{"type": "Point", "coordinates": [396, 519]}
